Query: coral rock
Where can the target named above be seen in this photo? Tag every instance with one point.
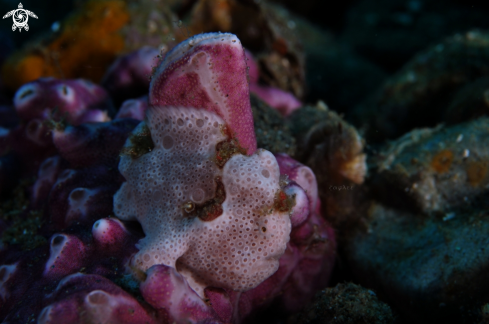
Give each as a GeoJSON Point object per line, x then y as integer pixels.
{"type": "Point", "coordinates": [434, 170]}
{"type": "Point", "coordinates": [407, 256]}
{"type": "Point", "coordinates": [470, 102]}
{"type": "Point", "coordinates": [420, 88]}
{"type": "Point", "coordinates": [346, 304]}
{"type": "Point", "coordinates": [272, 131]}
{"type": "Point", "coordinates": [334, 151]}
{"type": "Point", "coordinates": [424, 233]}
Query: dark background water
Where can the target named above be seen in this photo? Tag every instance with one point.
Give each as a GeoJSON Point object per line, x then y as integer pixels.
{"type": "Point", "coordinates": [390, 21]}
{"type": "Point", "coordinates": [383, 33]}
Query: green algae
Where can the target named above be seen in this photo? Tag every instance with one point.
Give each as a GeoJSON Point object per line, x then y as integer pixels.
{"type": "Point", "coordinates": [129, 284]}
{"type": "Point", "coordinates": [24, 224]}
{"type": "Point", "coordinates": [304, 119]}
{"type": "Point", "coordinates": [226, 149]}
{"type": "Point", "coordinates": [272, 132]}
{"type": "Point", "coordinates": [347, 303]}
{"type": "Point", "coordinates": [56, 120]}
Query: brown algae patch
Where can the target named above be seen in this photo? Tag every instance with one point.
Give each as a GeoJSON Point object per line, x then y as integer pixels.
{"type": "Point", "coordinates": [282, 202]}
{"type": "Point", "coordinates": [141, 143]}
{"type": "Point", "coordinates": [442, 161]}
{"type": "Point", "coordinates": [227, 148]}
{"type": "Point", "coordinates": [210, 209]}
{"type": "Point", "coordinates": [476, 172]}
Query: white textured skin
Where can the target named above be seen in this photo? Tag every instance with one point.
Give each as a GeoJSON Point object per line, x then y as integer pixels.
{"type": "Point", "coordinates": [237, 250]}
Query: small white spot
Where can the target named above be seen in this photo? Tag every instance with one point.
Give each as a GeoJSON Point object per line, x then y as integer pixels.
{"type": "Point", "coordinates": [449, 216]}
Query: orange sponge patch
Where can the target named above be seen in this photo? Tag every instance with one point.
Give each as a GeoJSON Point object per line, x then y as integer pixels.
{"type": "Point", "coordinates": [442, 161]}
{"type": "Point", "coordinates": [87, 43]}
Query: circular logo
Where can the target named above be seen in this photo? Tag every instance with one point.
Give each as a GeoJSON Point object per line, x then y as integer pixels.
{"type": "Point", "coordinates": [20, 17]}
